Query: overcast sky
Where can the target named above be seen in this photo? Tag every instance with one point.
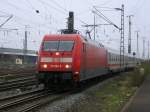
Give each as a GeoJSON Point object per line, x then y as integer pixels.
{"type": "Point", "coordinates": [52, 17]}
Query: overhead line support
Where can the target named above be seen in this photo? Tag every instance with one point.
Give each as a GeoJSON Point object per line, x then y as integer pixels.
{"type": "Point", "coordinates": [129, 38]}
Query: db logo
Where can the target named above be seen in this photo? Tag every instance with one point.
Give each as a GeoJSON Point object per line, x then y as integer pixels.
{"type": "Point", "coordinates": [55, 66]}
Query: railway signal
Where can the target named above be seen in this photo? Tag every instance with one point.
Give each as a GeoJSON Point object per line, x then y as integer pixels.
{"type": "Point", "coordinates": [70, 25]}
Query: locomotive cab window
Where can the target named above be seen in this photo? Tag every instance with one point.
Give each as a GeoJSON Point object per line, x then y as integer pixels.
{"type": "Point", "coordinates": [58, 45]}
{"type": "Point", "coordinates": [66, 45]}
{"type": "Point", "coordinates": [50, 46]}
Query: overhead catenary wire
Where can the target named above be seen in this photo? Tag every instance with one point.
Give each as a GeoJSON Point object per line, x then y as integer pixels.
{"type": "Point", "coordinates": [6, 21]}
{"type": "Point", "coordinates": [17, 19]}
{"type": "Point", "coordinates": [50, 6]}
{"type": "Point", "coordinates": [26, 11]}
{"type": "Point", "coordinates": [106, 2]}
{"type": "Point", "coordinates": [18, 8]}
{"type": "Point", "coordinates": [99, 14]}
{"type": "Point", "coordinates": [37, 11]}
{"type": "Point", "coordinates": [104, 17]}
{"type": "Point", "coordinates": [71, 4]}
{"type": "Point", "coordinates": [138, 7]}
{"type": "Point", "coordinates": [46, 26]}
{"type": "Point", "coordinates": [57, 4]}
{"type": "Point", "coordinates": [65, 4]}
{"type": "Point", "coordinates": [44, 3]}
{"type": "Point", "coordinates": [30, 4]}
{"type": "Point", "coordinates": [11, 38]}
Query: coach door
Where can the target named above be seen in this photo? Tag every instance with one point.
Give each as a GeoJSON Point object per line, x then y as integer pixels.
{"type": "Point", "coordinates": [84, 61]}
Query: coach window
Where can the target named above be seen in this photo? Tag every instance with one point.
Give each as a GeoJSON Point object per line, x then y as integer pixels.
{"type": "Point", "coordinates": [112, 58]}
{"type": "Point", "coordinates": [109, 57]}
{"type": "Point", "coordinates": [99, 45]}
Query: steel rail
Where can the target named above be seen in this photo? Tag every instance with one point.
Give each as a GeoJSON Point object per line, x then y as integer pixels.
{"type": "Point", "coordinates": [18, 84]}
{"type": "Point", "coordinates": [34, 96]}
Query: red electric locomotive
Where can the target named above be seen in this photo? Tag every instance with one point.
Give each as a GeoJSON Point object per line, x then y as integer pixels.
{"type": "Point", "coordinates": [70, 57]}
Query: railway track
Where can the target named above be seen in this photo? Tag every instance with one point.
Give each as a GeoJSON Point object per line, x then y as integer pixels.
{"type": "Point", "coordinates": [12, 101]}
{"type": "Point", "coordinates": [12, 73]}
{"type": "Point", "coordinates": [17, 83]}
{"type": "Point", "coordinates": [28, 101]}
{"type": "Point", "coordinates": [55, 97]}
{"type": "Point", "coordinates": [36, 99]}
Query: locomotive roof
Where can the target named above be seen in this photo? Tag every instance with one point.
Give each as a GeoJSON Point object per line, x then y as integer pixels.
{"type": "Point", "coordinates": [74, 36]}
{"type": "Point", "coordinates": [60, 35]}
{"type": "Point", "coordinates": [93, 42]}
{"type": "Point", "coordinates": [85, 39]}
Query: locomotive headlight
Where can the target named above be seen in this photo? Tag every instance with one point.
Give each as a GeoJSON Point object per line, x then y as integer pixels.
{"type": "Point", "coordinates": [57, 53]}
{"type": "Point", "coordinates": [45, 66]}
{"type": "Point", "coordinates": [67, 66]}
{"type": "Point", "coordinates": [76, 72]}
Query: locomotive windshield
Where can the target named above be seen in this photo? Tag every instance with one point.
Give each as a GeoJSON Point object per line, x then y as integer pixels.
{"type": "Point", "coordinates": [58, 45]}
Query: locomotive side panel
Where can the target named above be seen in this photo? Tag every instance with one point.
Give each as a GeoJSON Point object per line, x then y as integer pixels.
{"type": "Point", "coordinates": [95, 61]}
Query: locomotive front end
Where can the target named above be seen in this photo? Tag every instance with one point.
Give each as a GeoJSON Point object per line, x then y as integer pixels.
{"type": "Point", "coordinates": [56, 61]}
